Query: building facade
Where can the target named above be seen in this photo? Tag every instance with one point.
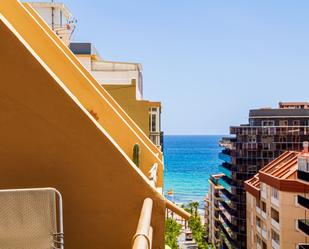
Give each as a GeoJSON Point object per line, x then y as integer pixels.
{"type": "Point", "coordinates": [212, 207]}
{"type": "Point", "coordinates": [270, 132]}
{"type": "Point", "coordinates": [303, 197]}
{"type": "Point", "coordinates": [124, 81]}
{"type": "Point", "coordinates": [273, 210]}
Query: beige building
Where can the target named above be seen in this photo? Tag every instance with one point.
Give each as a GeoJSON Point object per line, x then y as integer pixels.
{"type": "Point", "coordinates": [212, 208]}
{"type": "Point", "coordinates": [272, 207]}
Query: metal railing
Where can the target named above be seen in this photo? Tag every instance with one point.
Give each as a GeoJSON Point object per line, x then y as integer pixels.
{"type": "Point", "coordinates": [142, 239]}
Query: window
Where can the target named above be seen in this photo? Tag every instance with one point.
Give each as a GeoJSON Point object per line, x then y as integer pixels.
{"type": "Point", "coordinates": [295, 122]}
{"type": "Point", "coordinates": [263, 206]}
{"type": "Point", "coordinates": [268, 123]}
{"type": "Point", "coordinates": [258, 222]}
{"type": "Point", "coordinates": [283, 123]}
{"type": "Point", "coordinates": [154, 119]}
{"type": "Point", "coordinates": [275, 215]}
{"type": "Point", "coordinates": [275, 236]}
{"type": "Point", "coordinates": [274, 193]}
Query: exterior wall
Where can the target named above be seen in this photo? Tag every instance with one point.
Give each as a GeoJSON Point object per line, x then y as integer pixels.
{"type": "Point", "coordinates": [123, 87]}
{"type": "Point", "coordinates": [80, 86]}
{"type": "Point", "coordinates": [287, 229]}
{"type": "Point", "coordinates": [51, 140]}
{"type": "Point", "coordinates": [98, 87]}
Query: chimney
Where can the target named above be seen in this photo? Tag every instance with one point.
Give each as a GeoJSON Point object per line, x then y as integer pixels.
{"type": "Point", "coordinates": [305, 146]}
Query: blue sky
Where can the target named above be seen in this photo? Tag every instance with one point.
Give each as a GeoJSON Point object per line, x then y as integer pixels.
{"type": "Point", "coordinates": [209, 62]}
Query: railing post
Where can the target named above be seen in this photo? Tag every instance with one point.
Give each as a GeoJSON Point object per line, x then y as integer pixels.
{"type": "Point", "coordinates": [143, 236]}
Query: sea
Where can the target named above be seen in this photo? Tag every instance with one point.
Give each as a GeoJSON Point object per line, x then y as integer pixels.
{"type": "Point", "coordinates": [189, 161]}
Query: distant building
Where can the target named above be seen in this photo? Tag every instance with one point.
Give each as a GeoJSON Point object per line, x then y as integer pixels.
{"type": "Point", "coordinates": [270, 132]}
{"type": "Point", "coordinates": [58, 17]}
{"type": "Point", "coordinates": [274, 217]}
{"type": "Point", "coordinates": [212, 208]}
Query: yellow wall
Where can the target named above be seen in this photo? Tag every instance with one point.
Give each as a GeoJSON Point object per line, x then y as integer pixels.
{"type": "Point", "coordinates": [48, 139]}
{"type": "Point", "coordinates": [138, 110]}
{"type": "Point", "coordinates": [77, 63]}
{"type": "Point", "coordinates": [77, 83]}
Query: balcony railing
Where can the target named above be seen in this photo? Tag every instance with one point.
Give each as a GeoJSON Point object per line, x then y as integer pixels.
{"type": "Point", "coordinates": [303, 225]}
{"type": "Point", "coordinates": [303, 201]}
{"type": "Point", "coordinates": [144, 232]}
{"type": "Point", "coordinates": [269, 130]}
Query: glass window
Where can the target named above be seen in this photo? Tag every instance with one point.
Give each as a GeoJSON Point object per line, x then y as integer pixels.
{"type": "Point", "coordinates": [275, 236]}
{"type": "Point", "coordinates": [275, 193]}
{"type": "Point", "coordinates": [275, 214]}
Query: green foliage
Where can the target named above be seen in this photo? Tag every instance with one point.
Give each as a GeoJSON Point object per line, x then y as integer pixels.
{"type": "Point", "coordinates": [136, 154]}
{"type": "Point", "coordinates": [172, 231]}
{"type": "Point", "coordinates": [196, 226]}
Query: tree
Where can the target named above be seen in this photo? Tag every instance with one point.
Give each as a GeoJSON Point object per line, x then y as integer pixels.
{"type": "Point", "coordinates": [172, 231]}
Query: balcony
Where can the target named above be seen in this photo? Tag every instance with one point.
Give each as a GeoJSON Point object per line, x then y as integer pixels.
{"type": "Point", "coordinates": [233, 227]}
{"type": "Point", "coordinates": [303, 225]}
{"type": "Point", "coordinates": [275, 244]}
{"type": "Point", "coordinates": [304, 202]}
{"type": "Point", "coordinates": [227, 207]}
{"type": "Point", "coordinates": [225, 156]}
{"type": "Point", "coordinates": [157, 138]}
{"type": "Point", "coordinates": [274, 201]}
{"type": "Point", "coordinates": [228, 237]}
{"type": "Point", "coordinates": [275, 224]}
{"type": "Point", "coordinates": [303, 175]}
{"type": "Point", "coordinates": [224, 169]}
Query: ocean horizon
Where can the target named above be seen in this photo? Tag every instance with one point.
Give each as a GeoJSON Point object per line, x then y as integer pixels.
{"type": "Point", "coordinates": [189, 161]}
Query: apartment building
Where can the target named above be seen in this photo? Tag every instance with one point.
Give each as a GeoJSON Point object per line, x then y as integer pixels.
{"type": "Point", "coordinates": [212, 207]}
{"type": "Point", "coordinates": [303, 197]}
{"type": "Point", "coordinates": [61, 129]}
{"type": "Point", "coordinates": [268, 134]}
{"type": "Point", "coordinates": [273, 210]}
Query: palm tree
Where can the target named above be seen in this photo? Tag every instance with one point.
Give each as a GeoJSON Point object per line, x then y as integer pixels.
{"type": "Point", "coordinates": [195, 205]}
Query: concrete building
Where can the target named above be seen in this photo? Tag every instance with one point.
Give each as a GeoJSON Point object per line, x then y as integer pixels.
{"type": "Point", "coordinates": [272, 207]}
{"type": "Point", "coordinates": [61, 129]}
{"type": "Point", "coordinates": [269, 133]}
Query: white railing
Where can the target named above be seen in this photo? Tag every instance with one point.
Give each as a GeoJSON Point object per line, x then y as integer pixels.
{"type": "Point", "coordinates": [275, 244]}
{"type": "Point", "coordinates": [263, 214]}
{"type": "Point", "coordinates": [275, 224]}
{"type": "Point", "coordinates": [275, 201]}
{"type": "Point", "coordinates": [144, 232]}
{"type": "Point", "coordinates": [264, 234]}
{"type": "Point", "coordinates": [153, 175]}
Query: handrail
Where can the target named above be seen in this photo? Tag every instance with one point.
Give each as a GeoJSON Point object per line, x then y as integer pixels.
{"type": "Point", "coordinates": [179, 211]}
{"type": "Point", "coordinates": [142, 239]}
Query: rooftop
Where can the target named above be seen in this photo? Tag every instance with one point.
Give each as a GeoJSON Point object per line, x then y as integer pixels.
{"type": "Point", "coordinates": [280, 173]}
